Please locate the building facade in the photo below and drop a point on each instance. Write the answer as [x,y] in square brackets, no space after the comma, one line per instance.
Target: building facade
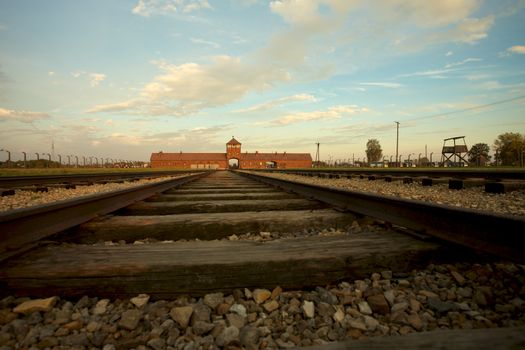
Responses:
[233,158]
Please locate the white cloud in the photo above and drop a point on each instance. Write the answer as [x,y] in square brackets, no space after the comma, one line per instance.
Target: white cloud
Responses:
[22,116]
[480,76]
[448,54]
[440,73]
[50,73]
[490,85]
[298,52]
[466,31]
[384,84]
[428,13]
[223,81]
[205,42]
[187,88]
[460,63]
[517,49]
[196,5]
[277,102]
[96,78]
[247,2]
[77,74]
[147,8]
[470,30]
[114,107]
[296,11]
[427,73]
[335,112]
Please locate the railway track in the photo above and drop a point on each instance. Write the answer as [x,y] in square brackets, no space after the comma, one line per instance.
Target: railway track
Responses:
[225,204]
[41,183]
[493,180]
[228,231]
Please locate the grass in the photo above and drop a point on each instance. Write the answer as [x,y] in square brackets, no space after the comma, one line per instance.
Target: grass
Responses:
[75,171]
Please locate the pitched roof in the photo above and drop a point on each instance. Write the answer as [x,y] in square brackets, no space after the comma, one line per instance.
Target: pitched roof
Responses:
[276,157]
[233,141]
[188,156]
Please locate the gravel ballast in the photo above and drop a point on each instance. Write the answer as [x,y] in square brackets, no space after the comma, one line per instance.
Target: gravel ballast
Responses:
[22,199]
[459,296]
[512,203]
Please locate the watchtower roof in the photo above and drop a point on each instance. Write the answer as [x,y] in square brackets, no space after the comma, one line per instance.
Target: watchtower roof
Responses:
[233,141]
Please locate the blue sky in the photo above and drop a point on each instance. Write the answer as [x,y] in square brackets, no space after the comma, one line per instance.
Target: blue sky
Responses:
[123,78]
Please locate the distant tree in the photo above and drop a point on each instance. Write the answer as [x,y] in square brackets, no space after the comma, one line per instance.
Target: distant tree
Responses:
[479,154]
[509,147]
[373,150]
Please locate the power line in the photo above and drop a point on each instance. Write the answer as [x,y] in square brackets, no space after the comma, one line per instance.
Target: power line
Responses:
[469,108]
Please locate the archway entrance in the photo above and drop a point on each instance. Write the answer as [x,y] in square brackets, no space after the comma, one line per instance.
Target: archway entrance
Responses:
[271,164]
[233,163]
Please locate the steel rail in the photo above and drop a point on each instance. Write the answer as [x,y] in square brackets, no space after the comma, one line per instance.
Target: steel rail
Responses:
[20,181]
[499,174]
[21,228]
[497,234]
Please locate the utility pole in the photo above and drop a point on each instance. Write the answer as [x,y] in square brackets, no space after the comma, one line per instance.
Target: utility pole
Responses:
[397,143]
[317,155]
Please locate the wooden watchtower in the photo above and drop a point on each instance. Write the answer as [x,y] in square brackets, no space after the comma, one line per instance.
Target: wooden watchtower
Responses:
[455,150]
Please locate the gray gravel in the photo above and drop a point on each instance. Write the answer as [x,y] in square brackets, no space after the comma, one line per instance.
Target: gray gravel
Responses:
[474,197]
[22,199]
[460,296]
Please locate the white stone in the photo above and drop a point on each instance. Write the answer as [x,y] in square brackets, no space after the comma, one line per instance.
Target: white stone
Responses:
[101,307]
[339,315]
[309,309]
[140,300]
[364,308]
[182,315]
[30,306]
[238,309]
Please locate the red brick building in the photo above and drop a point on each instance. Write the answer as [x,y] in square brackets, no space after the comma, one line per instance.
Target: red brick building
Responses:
[233,158]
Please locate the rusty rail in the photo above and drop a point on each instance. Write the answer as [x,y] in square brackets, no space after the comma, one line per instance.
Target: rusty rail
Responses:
[20,181]
[497,234]
[21,229]
[497,174]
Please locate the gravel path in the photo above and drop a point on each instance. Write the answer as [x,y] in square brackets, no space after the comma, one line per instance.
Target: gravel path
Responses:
[474,197]
[460,296]
[22,199]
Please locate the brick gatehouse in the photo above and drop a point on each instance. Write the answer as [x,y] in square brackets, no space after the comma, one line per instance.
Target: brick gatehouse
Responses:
[233,158]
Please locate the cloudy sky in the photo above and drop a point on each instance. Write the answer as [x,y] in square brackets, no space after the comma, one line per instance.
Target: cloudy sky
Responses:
[125,78]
